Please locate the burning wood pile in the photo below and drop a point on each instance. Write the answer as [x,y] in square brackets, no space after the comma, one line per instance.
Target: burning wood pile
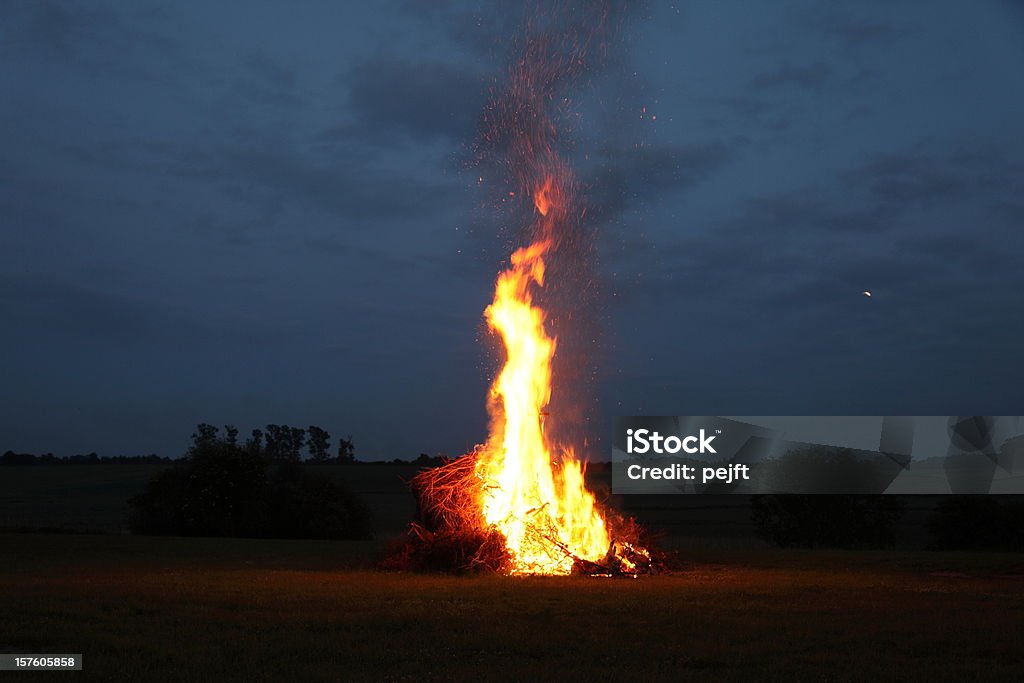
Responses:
[451,535]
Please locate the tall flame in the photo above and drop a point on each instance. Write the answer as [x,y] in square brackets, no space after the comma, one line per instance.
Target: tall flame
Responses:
[544,511]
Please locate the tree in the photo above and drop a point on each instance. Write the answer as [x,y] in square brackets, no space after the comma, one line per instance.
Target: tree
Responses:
[295,437]
[319,444]
[285,443]
[275,442]
[346,450]
[255,442]
[204,435]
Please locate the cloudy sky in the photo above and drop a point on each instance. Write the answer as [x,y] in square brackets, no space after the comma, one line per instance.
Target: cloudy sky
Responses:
[272,215]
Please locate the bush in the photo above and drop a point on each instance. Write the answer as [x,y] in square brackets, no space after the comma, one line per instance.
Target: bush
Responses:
[157,510]
[977,523]
[1013,524]
[223,489]
[308,506]
[836,521]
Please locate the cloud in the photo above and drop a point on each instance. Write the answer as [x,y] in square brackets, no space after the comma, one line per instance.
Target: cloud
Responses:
[266,80]
[744,106]
[57,29]
[810,77]
[1012,210]
[358,194]
[395,99]
[856,33]
[871,29]
[332,247]
[809,212]
[936,177]
[862,228]
[65,314]
[86,35]
[346,183]
[906,178]
[632,177]
[480,28]
[42,307]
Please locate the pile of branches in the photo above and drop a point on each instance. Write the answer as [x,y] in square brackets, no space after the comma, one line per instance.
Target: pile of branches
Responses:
[450,535]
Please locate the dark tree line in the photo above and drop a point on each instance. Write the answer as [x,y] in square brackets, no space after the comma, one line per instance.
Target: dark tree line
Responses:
[281,443]
[12,458]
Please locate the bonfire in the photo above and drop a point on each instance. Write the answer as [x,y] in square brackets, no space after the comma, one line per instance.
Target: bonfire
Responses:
[519,504]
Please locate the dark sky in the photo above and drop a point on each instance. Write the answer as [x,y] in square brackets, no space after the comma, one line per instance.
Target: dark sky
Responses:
[270,215]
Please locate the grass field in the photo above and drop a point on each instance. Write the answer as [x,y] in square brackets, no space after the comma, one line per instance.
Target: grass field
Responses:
[152,609]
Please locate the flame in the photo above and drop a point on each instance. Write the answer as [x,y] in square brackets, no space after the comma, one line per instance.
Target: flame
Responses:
[541,198]
[544,511]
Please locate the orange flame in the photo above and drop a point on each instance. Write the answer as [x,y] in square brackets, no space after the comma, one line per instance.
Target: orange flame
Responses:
[541,198]
[545,513]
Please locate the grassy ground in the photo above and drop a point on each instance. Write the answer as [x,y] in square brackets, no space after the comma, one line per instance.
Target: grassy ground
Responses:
[77,498]
[151,609]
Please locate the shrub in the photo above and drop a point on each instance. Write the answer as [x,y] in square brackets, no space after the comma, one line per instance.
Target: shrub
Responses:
[157,510]
[309,506]
[223,489]
[837,521]
[977,523]
[1013,525]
